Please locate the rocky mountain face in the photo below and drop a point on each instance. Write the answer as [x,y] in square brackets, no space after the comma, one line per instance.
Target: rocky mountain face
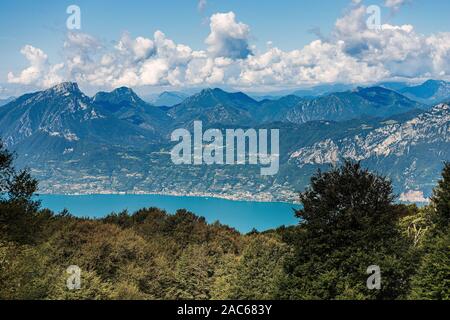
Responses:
[410,152]
[55,122]
[116,142]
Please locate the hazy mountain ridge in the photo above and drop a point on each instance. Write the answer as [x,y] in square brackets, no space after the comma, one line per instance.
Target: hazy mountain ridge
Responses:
[430,92]
[340,106]
[167,98]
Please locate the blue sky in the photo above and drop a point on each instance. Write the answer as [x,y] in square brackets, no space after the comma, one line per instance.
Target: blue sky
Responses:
[286,23]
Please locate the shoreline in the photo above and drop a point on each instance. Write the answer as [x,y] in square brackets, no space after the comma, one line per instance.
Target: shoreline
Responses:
[175,194]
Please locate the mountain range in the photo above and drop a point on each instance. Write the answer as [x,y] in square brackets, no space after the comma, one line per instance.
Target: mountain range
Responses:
[117,142]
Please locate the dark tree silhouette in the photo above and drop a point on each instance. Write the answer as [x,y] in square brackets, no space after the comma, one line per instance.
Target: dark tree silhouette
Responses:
[17,207]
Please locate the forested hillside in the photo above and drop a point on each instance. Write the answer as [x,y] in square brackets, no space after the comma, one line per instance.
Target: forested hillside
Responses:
[349,222]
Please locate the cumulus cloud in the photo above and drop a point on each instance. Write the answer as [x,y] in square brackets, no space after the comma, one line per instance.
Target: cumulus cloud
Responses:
[228,38]
[39,72]
[140,48]
[414,197]
[400,50]
[351,53]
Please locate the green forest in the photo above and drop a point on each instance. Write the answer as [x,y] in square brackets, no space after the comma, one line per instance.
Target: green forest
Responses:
[350,220]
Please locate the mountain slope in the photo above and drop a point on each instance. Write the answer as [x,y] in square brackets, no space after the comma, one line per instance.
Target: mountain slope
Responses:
[215,106]
[341,106]
[124,104]
[430,92]
[409,152]
[6,101]
[168,99]
[62,119]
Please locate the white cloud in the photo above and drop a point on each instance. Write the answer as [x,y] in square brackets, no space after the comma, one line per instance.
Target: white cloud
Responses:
[39,71]
[413,197]
[228,38]
[399,49]
[140,48]
[352,53]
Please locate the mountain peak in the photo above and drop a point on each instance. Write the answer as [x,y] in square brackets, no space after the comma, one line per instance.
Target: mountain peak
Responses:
[124,90]
[167,93]
[125,93]
[119,95]
[222,94]
[434,82]
[65,87]
[211,91]
[430,92]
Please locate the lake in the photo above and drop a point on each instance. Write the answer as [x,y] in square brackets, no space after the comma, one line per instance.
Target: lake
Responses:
[242,215]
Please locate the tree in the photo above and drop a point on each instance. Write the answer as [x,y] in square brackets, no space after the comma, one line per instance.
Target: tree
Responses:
[432,280]
[348,223]
[17,208]
[92,287]
[259,269]
[25,272]
[192,275]
[441,199]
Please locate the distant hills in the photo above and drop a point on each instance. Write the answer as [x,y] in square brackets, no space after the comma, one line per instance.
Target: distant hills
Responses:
[430,92]
[217,106]
[167,98]
[340,106]
[117,142]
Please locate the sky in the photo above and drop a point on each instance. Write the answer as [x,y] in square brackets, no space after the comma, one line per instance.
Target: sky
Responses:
[251,45]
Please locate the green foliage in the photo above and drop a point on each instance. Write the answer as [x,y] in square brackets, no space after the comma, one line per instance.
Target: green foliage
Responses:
[416,225]
[192,274]
[349,222]
[259,269]
[441,199]
[432,281]
[92,288]
[25,272]
[17,210]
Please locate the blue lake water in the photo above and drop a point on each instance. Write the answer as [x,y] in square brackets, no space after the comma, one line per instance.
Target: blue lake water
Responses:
[242,215]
